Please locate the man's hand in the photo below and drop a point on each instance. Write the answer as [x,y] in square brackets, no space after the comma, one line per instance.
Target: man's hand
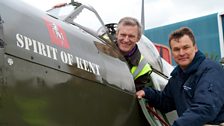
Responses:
[59,5]
[140,94]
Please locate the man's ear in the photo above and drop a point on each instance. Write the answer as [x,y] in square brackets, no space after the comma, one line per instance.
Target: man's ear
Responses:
[196,47]
[138,39]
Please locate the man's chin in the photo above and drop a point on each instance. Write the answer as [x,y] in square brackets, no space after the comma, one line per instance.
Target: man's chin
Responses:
[183,64]
[124,50]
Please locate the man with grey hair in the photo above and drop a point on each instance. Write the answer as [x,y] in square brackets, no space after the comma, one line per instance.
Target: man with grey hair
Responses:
[128,33]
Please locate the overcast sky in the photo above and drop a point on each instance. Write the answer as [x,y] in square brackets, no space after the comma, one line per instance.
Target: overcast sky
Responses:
[157,12]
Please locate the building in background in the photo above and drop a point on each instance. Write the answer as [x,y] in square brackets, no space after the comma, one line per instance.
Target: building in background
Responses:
[208,31]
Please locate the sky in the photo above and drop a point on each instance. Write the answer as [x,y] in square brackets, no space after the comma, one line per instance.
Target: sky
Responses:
[157,12]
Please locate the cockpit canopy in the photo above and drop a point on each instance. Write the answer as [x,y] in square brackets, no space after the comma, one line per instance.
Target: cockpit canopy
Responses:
[76,13]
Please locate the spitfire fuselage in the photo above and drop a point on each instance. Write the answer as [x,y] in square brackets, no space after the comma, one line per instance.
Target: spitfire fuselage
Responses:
[53,73]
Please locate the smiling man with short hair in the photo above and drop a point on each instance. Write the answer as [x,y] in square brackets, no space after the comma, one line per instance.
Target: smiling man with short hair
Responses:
[196,88]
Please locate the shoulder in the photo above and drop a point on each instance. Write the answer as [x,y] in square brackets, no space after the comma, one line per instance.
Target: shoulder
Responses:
[211,70]
[208,64]
[211,78]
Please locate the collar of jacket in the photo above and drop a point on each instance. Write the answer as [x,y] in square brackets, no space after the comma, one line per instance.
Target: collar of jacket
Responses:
[199,57]
[134,58]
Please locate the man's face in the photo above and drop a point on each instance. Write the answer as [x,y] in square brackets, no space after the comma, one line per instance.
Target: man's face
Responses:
[127,37]
[183,51]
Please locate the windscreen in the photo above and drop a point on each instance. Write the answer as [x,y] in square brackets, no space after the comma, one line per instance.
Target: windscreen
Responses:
[61,12]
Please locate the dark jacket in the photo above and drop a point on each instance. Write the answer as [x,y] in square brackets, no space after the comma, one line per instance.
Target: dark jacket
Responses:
[197,93]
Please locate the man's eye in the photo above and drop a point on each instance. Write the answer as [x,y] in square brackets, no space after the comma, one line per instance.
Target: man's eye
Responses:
[122,35]
[186,47]
[131,36]
[176,49]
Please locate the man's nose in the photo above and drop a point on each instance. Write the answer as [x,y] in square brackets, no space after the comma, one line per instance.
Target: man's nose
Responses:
[182,52]
[126,38]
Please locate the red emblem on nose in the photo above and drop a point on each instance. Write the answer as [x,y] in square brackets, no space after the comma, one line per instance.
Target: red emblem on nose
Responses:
[57,34]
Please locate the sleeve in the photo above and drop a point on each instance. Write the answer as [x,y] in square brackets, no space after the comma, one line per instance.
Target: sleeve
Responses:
[207,100]
[161,100]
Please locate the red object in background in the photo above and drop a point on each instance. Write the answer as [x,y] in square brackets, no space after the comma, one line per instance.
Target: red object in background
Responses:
[164,52]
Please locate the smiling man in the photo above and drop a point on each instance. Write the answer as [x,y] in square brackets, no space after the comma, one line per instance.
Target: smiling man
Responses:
[183,50]
[196,87]
[128,33]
